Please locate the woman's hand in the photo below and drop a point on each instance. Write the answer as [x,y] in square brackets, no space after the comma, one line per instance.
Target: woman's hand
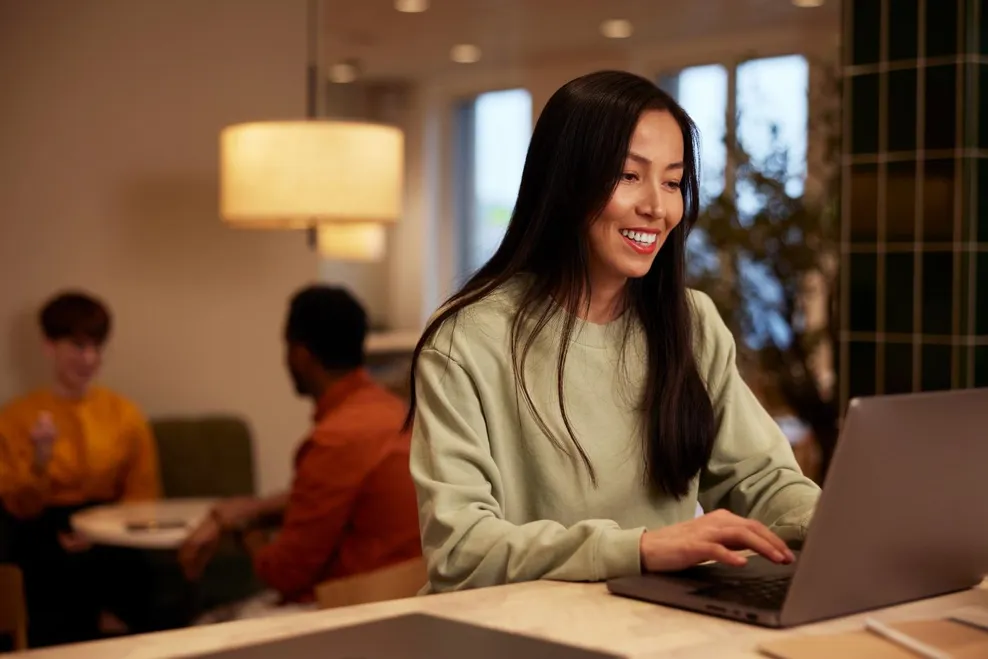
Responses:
[716,536]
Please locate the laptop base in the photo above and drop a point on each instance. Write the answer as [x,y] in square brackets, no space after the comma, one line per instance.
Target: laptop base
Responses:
[713,589]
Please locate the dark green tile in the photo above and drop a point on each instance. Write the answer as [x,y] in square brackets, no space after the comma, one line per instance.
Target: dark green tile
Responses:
[983,37]
[969,81]
[941,27]
[902,110]
[969,178]
[981,366]
[866,29]
[935,367]
[900,204]
[981,203]
[864,113]
[938,289]
[966,312]
[898,368]
[899,269]
[864,293]
[864,203]
[983,99]
[981,294]
[971,27]
[861,369]
[938,200]
[941,107]
[903,29]
[962,365]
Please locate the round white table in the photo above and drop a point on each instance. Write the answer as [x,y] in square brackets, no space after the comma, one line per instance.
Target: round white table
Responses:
[163,524]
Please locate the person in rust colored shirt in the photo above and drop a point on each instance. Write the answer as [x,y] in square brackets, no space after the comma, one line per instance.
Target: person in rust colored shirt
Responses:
[351,507]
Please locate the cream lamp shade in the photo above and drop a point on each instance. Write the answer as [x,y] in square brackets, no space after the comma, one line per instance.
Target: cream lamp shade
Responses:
[352,241]
[303,174]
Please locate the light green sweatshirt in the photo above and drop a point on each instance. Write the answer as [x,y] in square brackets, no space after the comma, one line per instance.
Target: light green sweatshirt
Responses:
[500,503]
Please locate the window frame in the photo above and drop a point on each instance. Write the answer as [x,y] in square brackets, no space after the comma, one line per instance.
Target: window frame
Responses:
[464,193]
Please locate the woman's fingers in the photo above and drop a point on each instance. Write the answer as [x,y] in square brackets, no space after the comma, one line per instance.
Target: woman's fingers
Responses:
[713,551]
[725,521]
[772,538]
[743,537]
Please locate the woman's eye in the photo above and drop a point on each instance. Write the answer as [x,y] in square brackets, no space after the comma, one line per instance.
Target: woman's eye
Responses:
[629,176]
[675,185]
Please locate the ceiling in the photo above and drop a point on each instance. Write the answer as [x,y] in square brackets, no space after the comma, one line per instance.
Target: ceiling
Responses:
[389,44]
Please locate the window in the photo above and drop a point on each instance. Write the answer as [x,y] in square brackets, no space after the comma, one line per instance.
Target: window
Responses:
[772,98]
[702,91]
[494,129]
[768,119]
[771,112]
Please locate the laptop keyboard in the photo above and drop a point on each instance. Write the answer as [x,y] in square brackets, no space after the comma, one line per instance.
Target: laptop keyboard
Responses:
[767,593]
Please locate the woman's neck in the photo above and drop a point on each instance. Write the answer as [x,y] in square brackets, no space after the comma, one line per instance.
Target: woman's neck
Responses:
[607,301]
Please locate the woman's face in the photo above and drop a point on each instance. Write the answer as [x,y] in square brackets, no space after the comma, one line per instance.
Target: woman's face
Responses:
[646,204]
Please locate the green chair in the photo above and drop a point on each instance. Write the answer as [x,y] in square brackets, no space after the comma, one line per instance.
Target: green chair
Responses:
[208,456]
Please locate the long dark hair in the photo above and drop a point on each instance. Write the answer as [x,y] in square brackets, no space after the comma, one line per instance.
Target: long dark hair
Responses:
[575,160]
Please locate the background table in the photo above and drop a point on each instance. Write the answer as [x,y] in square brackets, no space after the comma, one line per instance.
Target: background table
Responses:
[107,525]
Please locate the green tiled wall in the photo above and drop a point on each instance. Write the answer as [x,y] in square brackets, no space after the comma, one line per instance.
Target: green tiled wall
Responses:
[914,241]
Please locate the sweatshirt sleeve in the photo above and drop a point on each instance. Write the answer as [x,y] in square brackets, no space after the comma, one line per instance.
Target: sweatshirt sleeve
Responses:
[752,471]
[466,540]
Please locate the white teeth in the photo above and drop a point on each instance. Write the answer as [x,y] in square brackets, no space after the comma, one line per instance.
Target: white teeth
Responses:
[641,237]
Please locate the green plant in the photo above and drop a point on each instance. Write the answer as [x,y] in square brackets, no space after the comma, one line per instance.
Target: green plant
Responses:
[767,258]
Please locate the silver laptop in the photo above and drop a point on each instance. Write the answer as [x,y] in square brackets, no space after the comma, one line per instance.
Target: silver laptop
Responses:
[409,636]
[903,516]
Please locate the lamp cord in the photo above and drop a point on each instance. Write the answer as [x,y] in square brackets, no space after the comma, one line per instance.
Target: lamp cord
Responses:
[314,20]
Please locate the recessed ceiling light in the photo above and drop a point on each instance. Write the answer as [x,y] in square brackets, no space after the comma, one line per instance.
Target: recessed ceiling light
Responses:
[464,53]
[411,6]
[616,28]
[807,3]
[342,72]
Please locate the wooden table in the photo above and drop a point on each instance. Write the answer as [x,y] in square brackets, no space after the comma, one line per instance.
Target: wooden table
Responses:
[108,524]
[575,614]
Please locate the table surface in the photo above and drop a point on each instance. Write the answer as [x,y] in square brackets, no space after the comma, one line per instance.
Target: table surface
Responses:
[575,614]
[107,525]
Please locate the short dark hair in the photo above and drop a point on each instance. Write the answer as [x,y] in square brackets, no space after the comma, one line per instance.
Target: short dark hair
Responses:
[75,315]
[330,323]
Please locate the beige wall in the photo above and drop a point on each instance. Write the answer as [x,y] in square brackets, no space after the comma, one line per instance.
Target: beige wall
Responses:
[108,179]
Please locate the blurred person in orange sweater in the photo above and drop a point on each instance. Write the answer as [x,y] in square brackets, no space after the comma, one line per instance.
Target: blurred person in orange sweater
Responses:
[63,448]
[351,507]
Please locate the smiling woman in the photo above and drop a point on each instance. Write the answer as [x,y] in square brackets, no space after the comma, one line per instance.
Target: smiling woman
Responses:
[574,401]
[644,208]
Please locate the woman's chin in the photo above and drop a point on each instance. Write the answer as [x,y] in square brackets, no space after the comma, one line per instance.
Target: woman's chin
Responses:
[635,270]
